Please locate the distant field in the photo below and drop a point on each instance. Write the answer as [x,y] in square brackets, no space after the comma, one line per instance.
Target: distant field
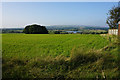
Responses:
[35,45]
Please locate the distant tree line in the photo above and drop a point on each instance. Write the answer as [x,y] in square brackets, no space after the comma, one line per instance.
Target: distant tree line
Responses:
[58,32]
[82,32]
[38,29]
[12,30]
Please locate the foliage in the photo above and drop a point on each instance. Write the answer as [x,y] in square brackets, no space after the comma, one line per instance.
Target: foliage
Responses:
[35,29]
[56,32]
[113,18]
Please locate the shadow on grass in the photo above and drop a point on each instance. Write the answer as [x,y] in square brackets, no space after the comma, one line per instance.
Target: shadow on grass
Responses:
[80,64]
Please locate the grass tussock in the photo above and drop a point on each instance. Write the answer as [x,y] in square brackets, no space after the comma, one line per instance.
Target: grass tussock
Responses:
[80,64]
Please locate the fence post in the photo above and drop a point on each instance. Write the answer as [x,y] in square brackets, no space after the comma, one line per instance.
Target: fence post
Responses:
[119,28]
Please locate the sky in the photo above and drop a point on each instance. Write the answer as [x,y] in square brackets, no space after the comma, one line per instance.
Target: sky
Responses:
[20,14]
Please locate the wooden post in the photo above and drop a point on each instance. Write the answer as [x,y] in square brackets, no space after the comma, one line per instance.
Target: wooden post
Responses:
[119,28]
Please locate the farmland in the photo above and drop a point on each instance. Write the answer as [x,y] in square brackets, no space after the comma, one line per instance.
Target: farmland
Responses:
[58,56]
[41,45]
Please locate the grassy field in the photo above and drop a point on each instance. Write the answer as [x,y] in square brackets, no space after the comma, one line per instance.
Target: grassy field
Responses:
[32,45]
[59,56]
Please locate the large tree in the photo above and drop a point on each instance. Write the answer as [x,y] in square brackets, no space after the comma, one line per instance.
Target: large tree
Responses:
[35,29]
[113,18]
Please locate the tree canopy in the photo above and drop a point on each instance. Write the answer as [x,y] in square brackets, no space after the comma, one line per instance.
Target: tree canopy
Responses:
[113,18]
[35,29]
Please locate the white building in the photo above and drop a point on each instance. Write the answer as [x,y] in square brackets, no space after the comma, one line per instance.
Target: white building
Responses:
[113,31]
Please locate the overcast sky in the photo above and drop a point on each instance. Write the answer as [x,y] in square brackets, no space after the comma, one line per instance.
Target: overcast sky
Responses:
[19,14]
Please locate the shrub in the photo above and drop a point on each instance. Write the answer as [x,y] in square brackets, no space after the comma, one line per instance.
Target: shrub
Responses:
[35,29]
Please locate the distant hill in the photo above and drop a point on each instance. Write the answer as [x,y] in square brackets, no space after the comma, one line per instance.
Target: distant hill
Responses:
[66,27]
[58,27]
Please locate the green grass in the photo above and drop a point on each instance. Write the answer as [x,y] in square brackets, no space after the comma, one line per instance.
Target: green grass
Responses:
[59,56]
[35,45]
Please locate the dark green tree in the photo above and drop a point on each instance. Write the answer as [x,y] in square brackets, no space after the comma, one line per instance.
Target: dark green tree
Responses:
[35,29]
[57,32]
[113,17]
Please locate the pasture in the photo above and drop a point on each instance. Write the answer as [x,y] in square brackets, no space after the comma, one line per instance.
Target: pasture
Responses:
[58,56]
[35,45]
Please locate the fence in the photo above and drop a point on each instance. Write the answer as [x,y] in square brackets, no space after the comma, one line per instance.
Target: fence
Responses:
[113,31]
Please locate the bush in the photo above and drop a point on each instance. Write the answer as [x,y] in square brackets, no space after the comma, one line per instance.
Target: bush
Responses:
[35,29]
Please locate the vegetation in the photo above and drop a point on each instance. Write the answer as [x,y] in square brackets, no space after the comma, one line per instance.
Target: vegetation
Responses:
[12,30]
[48,44]
[35,29]
[59,56]
[62,30]
[113,18]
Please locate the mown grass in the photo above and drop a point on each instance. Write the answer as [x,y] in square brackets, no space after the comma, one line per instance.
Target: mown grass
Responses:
[83,61]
